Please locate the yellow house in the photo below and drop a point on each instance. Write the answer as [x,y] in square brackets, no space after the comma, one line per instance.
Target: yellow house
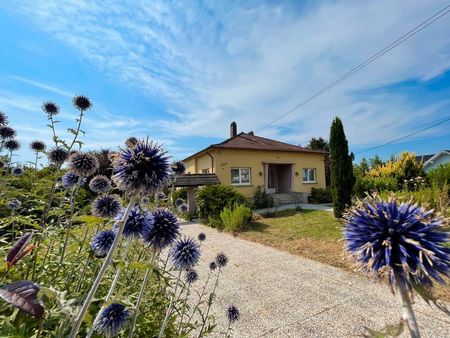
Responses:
[246,161]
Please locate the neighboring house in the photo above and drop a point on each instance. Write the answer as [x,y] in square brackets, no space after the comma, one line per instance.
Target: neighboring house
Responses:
[433,161]
[246,161]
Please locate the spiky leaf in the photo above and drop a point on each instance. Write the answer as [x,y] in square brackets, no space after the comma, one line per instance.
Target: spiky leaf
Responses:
[23,295]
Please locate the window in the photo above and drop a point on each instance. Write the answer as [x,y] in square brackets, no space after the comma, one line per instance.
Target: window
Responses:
[309,175]
[240,176]
[205,171]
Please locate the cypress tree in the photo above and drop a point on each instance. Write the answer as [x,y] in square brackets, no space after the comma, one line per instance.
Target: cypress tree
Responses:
[342,178]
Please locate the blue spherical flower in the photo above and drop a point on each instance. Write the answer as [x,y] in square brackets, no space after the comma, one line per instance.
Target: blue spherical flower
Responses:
[160,195]
[185,253]
[201,237]
[17,171]
[179,201]
[106,206]
[183,208]
[11,145]
[7,133]
[70,179]
[403,241]
[50,108]
[191,276]
[100,184]
[82,103]
[139,222]
[3,119]
[233,314]
[83,164]
[178,167]
[102,242]
[212,266]
[165,230]
[221,260]
[37,146]
[112,320]
[13,204]
[57,155]
[143,168]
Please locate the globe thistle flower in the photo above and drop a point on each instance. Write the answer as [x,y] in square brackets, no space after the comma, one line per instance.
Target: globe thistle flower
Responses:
[57,155]
[112,320]
[102,242]
[3,119]
[12,145]
[160,195]
[83,164]
[7,133]
[183,208]
[106,206]
[233,314]
[399,240]
[221,260]
[17,171]
[13,204]
[100,184]
[50,108]
[165,230]
[37,146]
[70,179]
[178,168]
[179,201]
[139,222]
[131,142]
[201,237]
[191,276]
[185,253]
[143,168]
[82,103]
[212,266]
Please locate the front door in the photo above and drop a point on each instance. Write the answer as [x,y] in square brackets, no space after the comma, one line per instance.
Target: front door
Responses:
[271,181]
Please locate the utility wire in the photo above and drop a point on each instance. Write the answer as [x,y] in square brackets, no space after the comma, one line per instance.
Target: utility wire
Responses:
[403,137]
[374,57]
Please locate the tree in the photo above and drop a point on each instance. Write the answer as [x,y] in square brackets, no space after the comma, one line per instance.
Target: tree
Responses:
[321,144]
[364,165]
[376,162]
[342,178]
[318,144]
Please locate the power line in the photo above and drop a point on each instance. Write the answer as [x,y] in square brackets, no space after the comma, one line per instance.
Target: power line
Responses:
[403,137]
[374,57]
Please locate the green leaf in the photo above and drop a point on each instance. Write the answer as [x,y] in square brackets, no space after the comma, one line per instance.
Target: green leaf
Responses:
[140,265]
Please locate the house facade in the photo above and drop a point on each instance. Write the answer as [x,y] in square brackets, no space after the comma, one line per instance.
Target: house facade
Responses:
[433,161]
[246,161]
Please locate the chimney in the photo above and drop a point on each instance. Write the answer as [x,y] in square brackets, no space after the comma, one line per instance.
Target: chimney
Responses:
[233,129]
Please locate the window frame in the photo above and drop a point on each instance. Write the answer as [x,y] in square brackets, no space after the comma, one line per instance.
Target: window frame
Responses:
[307,170]
[240,176]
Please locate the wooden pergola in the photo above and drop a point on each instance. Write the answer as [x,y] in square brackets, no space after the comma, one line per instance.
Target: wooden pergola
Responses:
[192,181]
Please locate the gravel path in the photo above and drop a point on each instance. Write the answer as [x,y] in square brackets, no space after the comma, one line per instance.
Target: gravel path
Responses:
[281,295]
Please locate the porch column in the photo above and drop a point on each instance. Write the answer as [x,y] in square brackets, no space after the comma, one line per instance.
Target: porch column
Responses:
[266,176]
[191,199]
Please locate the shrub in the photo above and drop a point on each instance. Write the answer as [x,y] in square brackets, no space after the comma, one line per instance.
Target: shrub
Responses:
[320,195]
[179,193]
[261,199]
[212,199]
[440,175]
[367,184]
[236,218]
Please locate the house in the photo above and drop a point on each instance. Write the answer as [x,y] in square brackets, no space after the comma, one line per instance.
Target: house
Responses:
[246,161]
[433,161]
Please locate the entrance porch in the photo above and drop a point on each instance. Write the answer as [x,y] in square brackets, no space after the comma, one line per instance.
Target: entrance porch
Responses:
[278,178]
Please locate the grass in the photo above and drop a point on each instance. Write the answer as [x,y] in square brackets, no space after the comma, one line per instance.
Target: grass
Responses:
[313,234]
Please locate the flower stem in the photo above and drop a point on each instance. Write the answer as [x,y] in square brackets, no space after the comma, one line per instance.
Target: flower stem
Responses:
[210,300]
[141,294]
[98,279]
[200,297]
[408,312]
[169,309]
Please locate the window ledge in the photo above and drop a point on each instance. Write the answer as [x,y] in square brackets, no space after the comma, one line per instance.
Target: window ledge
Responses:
[310,182]
[241,185]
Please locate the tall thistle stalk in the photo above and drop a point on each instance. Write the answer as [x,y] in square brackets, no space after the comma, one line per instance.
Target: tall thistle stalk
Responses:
[110,292]
[141,294]
[98,279]
[169,309]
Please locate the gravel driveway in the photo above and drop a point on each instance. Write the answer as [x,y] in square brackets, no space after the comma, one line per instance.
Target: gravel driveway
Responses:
[281,295]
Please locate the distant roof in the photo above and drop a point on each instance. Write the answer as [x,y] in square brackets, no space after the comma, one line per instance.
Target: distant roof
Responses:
[431,157]
[195,180]
[253,142]
[424,158]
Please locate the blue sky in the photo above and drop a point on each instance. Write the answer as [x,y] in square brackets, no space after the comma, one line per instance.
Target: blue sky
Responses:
[180,72]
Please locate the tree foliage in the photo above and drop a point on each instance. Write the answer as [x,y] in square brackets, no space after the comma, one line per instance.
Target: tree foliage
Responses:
[342,178]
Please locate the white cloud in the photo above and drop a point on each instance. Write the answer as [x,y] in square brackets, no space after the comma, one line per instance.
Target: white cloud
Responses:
[215,62]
